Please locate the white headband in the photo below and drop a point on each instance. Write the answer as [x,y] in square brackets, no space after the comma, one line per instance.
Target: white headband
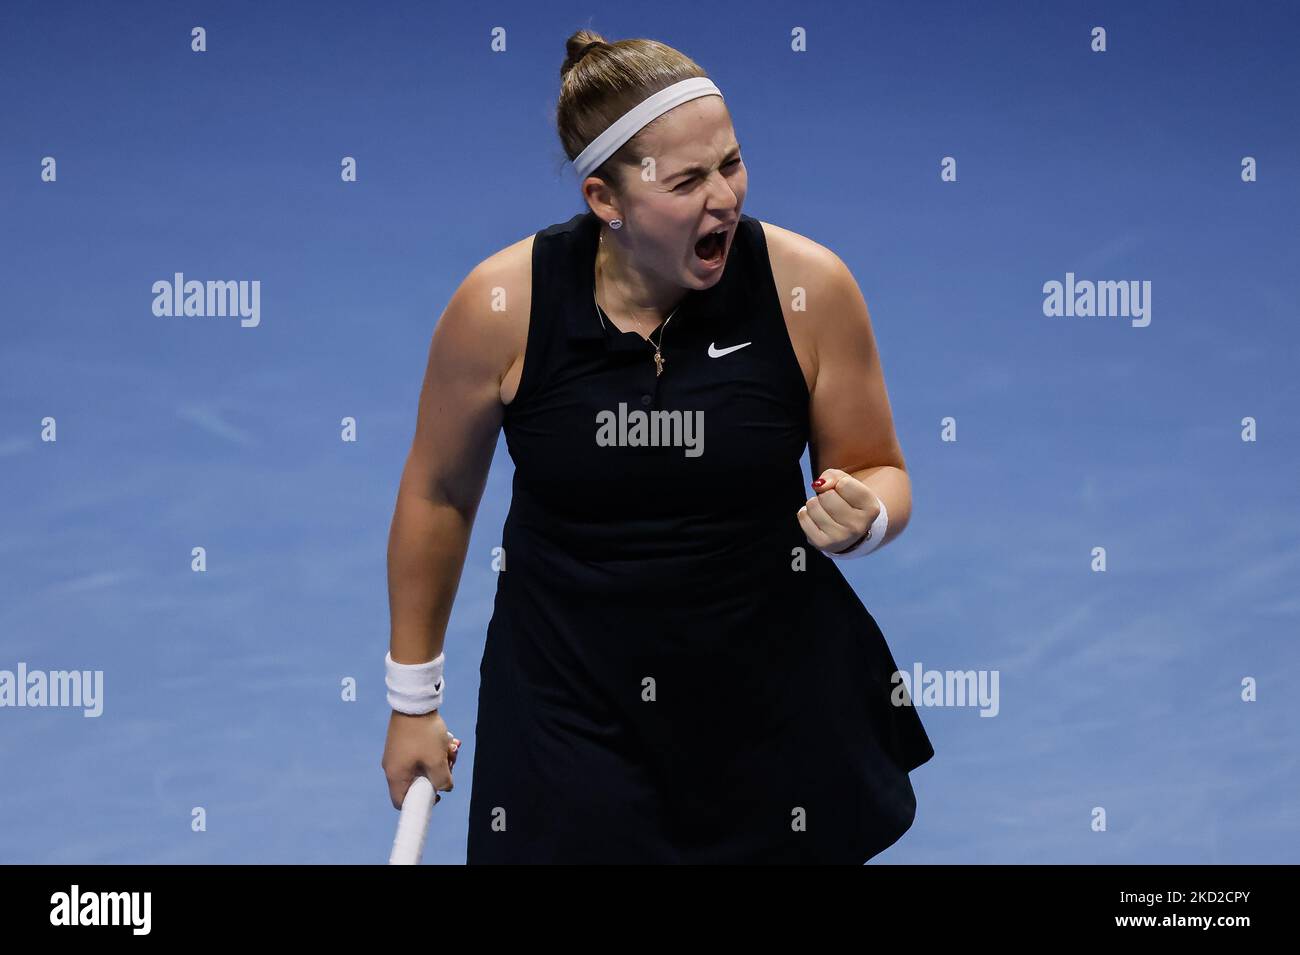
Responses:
[637,118]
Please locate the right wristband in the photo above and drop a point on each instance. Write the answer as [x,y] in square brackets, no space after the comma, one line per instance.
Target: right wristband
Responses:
[414,688]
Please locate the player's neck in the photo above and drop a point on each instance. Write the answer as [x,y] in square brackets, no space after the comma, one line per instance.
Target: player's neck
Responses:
[628,293]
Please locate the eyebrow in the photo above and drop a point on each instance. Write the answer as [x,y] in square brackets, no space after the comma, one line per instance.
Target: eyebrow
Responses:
[693,170]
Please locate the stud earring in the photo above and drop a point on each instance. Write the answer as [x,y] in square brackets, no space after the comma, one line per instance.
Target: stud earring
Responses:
[616,223]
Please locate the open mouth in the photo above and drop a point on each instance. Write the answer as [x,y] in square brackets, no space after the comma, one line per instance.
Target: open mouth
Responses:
[709,249]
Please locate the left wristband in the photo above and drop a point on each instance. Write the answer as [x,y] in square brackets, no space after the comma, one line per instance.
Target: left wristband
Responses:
[875,534]
[414,688]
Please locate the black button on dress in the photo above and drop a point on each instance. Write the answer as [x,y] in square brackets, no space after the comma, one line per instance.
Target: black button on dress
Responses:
[672,673]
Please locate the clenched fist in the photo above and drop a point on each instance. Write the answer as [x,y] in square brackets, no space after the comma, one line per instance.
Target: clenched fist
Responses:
[840,513]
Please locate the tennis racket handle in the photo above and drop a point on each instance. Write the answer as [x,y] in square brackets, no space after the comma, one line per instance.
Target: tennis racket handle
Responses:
[413,823]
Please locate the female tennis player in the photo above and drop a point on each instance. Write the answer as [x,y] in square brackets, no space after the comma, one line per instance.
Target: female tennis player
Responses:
[675,670]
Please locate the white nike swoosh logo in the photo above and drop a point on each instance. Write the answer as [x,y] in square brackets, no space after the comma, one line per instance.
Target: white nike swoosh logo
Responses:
[716,352]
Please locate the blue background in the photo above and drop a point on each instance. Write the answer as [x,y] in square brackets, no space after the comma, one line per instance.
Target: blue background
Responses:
[1118,689]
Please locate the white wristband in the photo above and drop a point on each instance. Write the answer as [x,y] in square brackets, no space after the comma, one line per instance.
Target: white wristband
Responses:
[875,535]
[414,688]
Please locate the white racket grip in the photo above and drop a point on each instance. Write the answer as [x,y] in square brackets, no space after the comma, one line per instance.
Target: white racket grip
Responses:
[413,823]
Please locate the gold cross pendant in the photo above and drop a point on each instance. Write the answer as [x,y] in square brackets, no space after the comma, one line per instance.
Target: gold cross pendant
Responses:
[659,363]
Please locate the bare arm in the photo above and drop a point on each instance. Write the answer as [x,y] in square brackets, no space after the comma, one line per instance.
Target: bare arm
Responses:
[459,417]
[852,425]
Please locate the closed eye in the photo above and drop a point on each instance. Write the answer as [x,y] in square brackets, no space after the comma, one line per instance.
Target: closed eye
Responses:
[691,179]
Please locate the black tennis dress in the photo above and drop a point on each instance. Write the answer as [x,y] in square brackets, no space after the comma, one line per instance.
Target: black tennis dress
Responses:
[672,673]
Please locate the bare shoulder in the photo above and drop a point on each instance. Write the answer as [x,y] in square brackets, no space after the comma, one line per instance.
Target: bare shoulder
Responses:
[513,263]
[798,261]
[493,304]
[510,271]
[813,284]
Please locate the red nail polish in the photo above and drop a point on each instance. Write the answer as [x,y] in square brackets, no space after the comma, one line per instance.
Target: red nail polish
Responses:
[819,482]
